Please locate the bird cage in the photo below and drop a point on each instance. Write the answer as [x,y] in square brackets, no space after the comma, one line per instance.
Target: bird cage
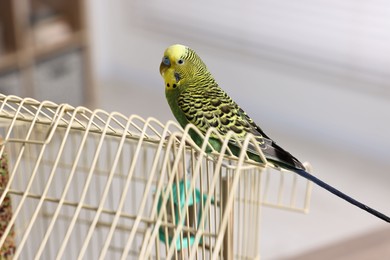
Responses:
[79,183]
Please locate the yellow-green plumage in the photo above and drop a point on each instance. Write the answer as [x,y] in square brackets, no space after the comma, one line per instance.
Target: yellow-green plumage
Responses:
[195,97]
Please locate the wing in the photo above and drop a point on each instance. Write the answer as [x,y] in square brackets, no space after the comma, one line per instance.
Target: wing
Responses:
[210,106]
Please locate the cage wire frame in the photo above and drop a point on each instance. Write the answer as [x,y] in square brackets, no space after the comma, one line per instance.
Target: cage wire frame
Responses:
[79,183]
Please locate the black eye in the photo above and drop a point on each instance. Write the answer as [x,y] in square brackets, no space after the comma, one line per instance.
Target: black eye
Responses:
[181,61]
[166,61]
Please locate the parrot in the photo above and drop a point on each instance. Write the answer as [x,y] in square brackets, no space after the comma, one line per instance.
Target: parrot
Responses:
[195,97]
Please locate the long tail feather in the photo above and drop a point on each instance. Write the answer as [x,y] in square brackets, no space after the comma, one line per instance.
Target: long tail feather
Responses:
[340,194]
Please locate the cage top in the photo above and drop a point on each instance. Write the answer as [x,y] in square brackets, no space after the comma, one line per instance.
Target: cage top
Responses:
[15,110]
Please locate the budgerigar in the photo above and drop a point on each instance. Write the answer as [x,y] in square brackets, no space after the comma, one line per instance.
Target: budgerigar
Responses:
[195,97]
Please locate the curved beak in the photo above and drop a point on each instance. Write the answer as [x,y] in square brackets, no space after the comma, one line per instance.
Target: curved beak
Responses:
[163,68]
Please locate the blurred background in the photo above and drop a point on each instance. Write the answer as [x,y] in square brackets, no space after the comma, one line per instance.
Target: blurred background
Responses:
[315,75]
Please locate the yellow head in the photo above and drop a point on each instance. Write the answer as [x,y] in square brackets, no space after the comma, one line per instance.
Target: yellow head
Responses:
[180,66]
